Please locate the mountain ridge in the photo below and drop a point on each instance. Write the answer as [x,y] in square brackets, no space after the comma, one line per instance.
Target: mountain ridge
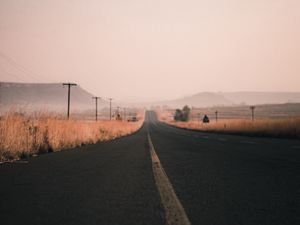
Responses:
[54,96]
[43,96]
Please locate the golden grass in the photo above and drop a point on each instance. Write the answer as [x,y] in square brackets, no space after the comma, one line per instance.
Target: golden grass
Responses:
[23,135]
[287,127]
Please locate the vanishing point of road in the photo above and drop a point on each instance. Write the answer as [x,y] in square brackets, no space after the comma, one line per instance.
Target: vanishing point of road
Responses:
[158,173]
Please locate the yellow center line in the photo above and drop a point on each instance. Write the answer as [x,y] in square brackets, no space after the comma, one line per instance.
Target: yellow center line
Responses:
[174,211]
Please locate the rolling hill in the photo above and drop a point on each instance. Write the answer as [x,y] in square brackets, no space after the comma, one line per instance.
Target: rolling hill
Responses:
[203,99]
[39,96]
[209,99]
[53,97]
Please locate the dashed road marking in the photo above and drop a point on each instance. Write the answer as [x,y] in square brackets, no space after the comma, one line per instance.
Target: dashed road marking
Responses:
[206,137]
[297,147]
[174,211]
[248,142]
[222,139]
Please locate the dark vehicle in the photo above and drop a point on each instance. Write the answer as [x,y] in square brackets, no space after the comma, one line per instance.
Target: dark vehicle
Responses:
[205,119]
[132,119]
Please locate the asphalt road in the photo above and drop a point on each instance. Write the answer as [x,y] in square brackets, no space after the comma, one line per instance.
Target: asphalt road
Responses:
[219,179]
[108,183]
[230,179]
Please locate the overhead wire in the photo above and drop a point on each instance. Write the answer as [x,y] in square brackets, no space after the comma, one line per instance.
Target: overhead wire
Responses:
[20,67]
[17,77]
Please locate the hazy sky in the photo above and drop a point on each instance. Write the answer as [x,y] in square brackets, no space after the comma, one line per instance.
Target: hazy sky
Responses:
[152,48]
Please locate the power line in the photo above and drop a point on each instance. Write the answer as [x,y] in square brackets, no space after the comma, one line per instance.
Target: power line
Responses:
[19,67]
[69,93]
[17,77]
[96,100]
[252,112]
[110,99]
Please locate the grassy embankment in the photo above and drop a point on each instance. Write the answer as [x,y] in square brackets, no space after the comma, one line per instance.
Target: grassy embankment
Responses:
[286,127]
[22,136]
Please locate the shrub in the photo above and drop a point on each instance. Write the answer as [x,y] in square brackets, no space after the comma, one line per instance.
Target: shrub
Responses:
[182,115]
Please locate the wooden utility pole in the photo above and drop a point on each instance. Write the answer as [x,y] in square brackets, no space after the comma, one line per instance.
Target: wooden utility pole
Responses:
[216,112]
[96,113]
[69,95]
[110,99]
[124,114]
[118,111]
[252,110]
[199,118]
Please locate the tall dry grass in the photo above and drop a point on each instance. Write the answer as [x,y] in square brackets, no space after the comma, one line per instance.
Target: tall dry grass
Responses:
[286,127]
[22,135]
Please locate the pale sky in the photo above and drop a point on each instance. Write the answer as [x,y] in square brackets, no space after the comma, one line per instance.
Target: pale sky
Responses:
[155,49]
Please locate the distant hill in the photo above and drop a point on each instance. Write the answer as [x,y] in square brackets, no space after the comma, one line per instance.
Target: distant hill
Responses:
[203,99]
[36,96]
[258,98]
[209,99]
[53,97]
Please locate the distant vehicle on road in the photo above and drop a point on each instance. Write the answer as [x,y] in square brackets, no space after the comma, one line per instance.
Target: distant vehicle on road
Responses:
[205,119]
[132,119]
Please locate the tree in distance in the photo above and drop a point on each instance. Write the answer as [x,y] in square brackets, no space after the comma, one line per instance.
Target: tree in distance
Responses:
[182,115]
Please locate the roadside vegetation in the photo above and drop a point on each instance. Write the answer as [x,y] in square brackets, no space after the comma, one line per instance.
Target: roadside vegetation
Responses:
[182,114]
[283,127]
[26,135]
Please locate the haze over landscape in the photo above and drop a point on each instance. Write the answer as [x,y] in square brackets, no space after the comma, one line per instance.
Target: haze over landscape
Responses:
[53,97]
[153,112]
[152,50]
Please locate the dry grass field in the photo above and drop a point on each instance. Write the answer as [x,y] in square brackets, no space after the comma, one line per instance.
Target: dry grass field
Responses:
[21,135]
[288,127]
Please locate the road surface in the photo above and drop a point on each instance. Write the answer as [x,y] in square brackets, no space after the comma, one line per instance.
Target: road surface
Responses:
[217,179]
